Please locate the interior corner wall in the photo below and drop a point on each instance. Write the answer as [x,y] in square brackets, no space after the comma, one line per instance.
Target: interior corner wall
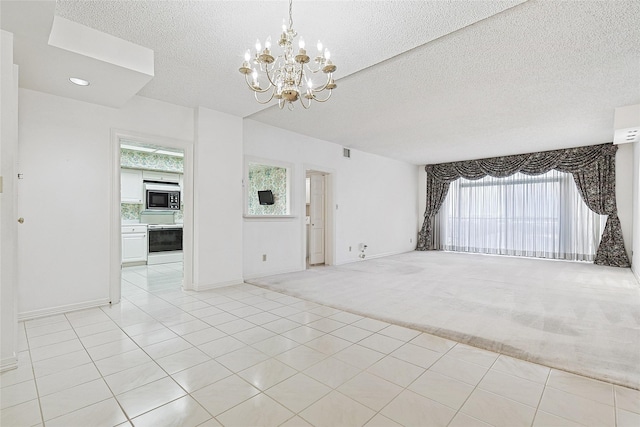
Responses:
[217,199]
[635,252]
[8,224]
[65,154]
[422,195]
[374,202]
[624,193]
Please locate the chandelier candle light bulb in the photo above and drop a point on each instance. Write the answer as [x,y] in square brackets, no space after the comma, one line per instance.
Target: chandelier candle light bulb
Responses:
[285,73]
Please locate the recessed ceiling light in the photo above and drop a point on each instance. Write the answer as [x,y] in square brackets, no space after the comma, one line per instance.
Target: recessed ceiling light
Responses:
[78,81]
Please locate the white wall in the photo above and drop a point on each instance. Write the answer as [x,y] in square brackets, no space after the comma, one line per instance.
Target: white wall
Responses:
[8,224]
[624,193]
[376,199]
[65,156]
[635,262]
[218,200]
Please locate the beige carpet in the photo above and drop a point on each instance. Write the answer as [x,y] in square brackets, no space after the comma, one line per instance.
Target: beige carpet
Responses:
[577,317]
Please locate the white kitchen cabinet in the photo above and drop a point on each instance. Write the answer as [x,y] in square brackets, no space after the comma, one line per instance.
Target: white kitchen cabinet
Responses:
[131,190]
[134,243]
[161,176]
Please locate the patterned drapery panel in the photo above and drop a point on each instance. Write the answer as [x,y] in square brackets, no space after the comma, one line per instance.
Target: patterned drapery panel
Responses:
[593,170]
[436,193]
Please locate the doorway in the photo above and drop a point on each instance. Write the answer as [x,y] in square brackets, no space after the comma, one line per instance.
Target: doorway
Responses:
[316,218]
[143,167]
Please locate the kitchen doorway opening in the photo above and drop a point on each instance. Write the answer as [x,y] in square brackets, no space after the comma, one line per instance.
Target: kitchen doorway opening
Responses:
[318,218]
[152,214]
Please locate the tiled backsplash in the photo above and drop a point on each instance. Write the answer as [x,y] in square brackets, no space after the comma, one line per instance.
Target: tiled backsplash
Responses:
[150,161]
[130,211]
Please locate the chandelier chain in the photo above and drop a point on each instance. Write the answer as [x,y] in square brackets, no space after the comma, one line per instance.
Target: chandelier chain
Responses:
[290,14]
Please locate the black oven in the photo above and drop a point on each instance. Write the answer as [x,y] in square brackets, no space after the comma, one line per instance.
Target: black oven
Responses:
[165,238]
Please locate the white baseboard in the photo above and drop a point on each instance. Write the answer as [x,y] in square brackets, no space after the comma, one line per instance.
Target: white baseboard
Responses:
[8,363]
[34,314]
[207,287]
[272,273]
[636,272]
[386,254]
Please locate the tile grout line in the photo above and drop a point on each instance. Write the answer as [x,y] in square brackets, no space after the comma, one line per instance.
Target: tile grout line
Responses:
[158,365]
[475,387]
[97,369]
[351,344]
[274,358]
[33,371]
[544,389]
[211,358]
[280,334]
[246,294]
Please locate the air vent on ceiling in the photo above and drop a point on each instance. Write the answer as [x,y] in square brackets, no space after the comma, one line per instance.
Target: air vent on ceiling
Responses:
[346,153]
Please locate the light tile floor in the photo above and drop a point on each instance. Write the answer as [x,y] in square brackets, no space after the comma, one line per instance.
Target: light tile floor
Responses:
[244,356]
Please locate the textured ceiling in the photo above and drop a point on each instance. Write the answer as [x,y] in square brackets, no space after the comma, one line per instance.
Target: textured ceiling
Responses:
[421,81]
[540,76]
[199,45]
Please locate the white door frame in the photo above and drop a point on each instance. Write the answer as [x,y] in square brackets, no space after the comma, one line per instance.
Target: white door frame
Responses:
[317,215]
[330,208]
[115,223]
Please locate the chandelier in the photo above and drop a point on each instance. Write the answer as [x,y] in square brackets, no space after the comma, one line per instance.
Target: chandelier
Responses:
[287,77]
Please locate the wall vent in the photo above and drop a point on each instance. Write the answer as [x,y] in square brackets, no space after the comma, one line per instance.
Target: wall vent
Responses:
[346,153]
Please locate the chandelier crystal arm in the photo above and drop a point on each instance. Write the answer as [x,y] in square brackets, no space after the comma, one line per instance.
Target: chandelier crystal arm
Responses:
[324,86]
[271,78]
[305,106]
[266,101]
[253,88]
[315,98]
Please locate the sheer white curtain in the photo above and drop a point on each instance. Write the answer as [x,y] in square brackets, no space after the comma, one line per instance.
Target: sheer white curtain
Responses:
[536,216]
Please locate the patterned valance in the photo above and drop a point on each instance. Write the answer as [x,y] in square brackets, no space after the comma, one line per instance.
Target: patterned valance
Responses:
[593,170]
[569,160]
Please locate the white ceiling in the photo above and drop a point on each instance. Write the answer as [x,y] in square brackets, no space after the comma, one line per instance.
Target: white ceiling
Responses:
[420,81]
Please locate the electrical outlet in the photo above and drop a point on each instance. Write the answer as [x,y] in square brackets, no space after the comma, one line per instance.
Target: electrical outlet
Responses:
[411,240]
[264,257]
[349,248]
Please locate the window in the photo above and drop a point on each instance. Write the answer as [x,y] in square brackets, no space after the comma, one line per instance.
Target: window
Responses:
[537,216]
[264,177]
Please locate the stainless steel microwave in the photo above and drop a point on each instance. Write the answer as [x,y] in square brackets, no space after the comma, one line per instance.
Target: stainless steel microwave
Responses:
[162,196]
